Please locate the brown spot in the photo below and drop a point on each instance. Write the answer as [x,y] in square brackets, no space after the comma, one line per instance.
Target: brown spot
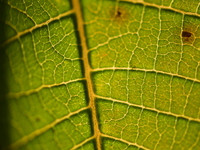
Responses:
[118,13]
[37,119]
[189,31]
[187,37]
[103,55]
[186,34]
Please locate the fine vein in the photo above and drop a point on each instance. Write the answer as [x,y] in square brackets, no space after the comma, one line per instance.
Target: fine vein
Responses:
[24,140]
[19,34]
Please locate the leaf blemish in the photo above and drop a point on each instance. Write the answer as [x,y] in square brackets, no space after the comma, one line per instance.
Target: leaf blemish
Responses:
[37,119]
[187,37]
[186,34]
[119,14]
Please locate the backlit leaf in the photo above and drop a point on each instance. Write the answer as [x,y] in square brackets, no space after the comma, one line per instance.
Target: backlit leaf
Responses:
[100,74]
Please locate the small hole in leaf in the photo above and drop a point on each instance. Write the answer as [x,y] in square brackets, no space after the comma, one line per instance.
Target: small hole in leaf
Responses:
[186,34]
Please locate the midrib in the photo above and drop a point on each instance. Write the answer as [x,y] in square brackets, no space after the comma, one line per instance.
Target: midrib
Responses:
[87,70]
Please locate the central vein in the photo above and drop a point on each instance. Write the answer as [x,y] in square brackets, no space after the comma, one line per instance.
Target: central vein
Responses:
[80,24]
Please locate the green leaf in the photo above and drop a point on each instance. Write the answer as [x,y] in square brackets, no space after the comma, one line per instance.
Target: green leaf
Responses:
[100,74]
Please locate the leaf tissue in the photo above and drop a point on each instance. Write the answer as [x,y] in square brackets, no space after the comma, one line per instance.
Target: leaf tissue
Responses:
[100,74]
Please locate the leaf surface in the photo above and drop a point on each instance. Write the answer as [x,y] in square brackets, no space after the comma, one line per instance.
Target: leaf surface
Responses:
[101,74]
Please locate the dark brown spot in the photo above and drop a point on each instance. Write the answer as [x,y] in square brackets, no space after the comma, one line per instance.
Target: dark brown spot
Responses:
[186,34]
[119,13]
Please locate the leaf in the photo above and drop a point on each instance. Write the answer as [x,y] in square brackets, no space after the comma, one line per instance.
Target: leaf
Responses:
[100,74]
